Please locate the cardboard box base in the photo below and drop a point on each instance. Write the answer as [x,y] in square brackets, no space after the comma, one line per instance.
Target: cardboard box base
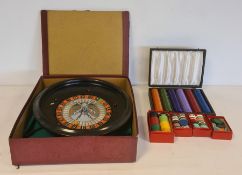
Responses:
[159,136]
[202,132]
[183,132]
[79,149]
[221,135]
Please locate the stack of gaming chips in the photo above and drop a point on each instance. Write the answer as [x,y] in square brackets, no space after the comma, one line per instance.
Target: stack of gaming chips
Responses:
[179,121]
[183,100]
[218,124]
[160,123]
[174,100]
[192,101]
[156,100]
[154,122]
[164,123]
[165,100]
[198,121]
[201,101]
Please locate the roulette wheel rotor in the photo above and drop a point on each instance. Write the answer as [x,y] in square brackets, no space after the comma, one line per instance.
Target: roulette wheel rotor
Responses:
[83,106]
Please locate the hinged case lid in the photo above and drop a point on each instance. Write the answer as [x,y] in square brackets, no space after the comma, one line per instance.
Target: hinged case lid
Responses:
[85,42]
[176,67]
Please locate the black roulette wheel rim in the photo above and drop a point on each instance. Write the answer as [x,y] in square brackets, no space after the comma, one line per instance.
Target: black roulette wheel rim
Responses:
[47,105]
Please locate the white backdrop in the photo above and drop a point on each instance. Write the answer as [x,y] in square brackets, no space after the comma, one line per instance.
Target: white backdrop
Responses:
[215,25]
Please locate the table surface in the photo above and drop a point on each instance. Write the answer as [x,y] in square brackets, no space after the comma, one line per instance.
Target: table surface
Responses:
[191,155]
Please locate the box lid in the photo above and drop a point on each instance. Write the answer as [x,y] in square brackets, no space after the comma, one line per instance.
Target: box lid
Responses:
[176,67]
[85,42]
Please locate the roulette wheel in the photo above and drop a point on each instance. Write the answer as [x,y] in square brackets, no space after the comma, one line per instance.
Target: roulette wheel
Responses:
[83,106]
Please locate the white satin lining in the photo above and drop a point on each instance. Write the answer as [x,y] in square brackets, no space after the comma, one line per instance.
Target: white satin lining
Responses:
[176,67]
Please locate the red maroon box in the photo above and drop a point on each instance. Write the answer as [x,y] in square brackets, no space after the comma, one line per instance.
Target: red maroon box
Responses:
[182,132]
[159,136]
[79,44]
[222,135]
[202,132]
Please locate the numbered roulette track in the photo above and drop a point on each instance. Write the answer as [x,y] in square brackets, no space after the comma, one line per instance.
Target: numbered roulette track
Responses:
[83,106]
